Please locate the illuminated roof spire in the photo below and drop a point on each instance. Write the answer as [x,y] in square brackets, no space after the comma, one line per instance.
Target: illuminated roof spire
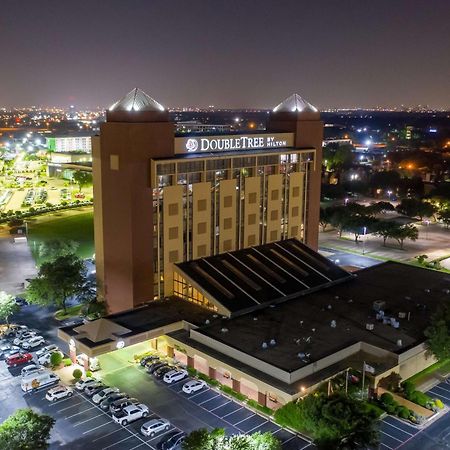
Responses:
[136,100]
[295,103]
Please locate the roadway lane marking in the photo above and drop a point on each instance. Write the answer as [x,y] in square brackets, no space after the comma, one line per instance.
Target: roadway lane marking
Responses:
[106,435]
[220,406]
[393,426]
[118,442]
[92,429]
[81,412]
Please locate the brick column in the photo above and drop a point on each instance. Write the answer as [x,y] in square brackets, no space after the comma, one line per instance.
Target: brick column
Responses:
[236,385]
[262,398]
[212,373]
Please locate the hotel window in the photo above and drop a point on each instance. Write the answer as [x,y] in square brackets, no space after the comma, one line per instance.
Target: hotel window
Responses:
[173,209]
[251,219]
[201,205]
[173,233]
[295,211]
[227,201]
[227,245]
[295,191]
[294,231]
[227,223]
[274,214]
[251,239]
[274,194]
[173,256]
[201,228]
[114,162]
[201,251]
[274,235]
[252,198]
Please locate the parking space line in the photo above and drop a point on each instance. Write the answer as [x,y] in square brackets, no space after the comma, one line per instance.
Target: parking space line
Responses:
[105,435]
[81,412]
[401,429]
[243,420]
[257,426]
[220,406]
[306,446]
[87,420]
[201,392]
[61,401]
[92,429]
[232,412]
[442,389]
[69,407]
[440,395]
[387,434]
[118,442]
[387,446]
[160,435]
[209,399]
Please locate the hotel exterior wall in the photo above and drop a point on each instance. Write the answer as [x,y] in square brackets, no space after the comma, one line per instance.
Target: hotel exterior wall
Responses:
[414,361]
[201,220]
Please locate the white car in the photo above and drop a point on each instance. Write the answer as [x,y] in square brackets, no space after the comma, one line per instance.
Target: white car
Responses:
[48,349]
[83,384]
[45,358]
[31,368]
[21,330]
[174,376]
[58,392]
[193,386]
[100,396]
[154,427]
[131,413]
[34,342]
[24,337]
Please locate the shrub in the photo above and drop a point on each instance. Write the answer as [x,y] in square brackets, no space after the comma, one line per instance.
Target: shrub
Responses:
[191,371]
[255,405]
[438,403]
[387,399]
[67,362]
[77,374]
[420,398]
[233,393]
[403,412]
[56,359]
[408,388]
[88,374]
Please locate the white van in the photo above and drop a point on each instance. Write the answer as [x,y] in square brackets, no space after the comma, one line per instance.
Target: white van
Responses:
[38,380]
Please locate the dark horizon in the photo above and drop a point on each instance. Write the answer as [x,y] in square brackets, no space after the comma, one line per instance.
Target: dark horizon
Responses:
[230,54]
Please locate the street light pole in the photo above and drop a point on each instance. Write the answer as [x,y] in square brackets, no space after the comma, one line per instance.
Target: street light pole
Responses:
[364,239]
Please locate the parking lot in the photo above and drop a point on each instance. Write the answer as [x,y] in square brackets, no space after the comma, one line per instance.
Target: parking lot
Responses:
[395,433]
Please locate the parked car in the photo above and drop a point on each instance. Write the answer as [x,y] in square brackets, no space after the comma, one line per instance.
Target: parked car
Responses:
[162,371]
[34,342]
[154,427]
[101,395]
[37,380]
[31,368]
[46,357]
[117,405]
[7,350]
[155,366]
[147,359]
[131,413]
[193,386]
[18,359]
[58,392]
[174,376]
[24,337]
[19,332]
[106,403]
[13,329]
[91,390]
[172,441]
[47,349]
[83,384]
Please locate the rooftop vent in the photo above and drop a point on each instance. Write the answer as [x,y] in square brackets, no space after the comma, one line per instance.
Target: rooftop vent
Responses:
[273,342]
[215,316]
[378,305]
[255,318]
[207,322]
[407,297]
[264,345]
[401,315]
[399,343]
[329,307]
[446,291]
[224,330]
[427,290]
[336,297]
[370,326]
[333,324]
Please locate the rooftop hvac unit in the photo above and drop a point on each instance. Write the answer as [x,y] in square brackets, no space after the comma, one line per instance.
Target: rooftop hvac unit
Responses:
[427,291]
[336,297]
[399,342]
[224,330]
[446,291]
[207,322]
[264,345]
[215,316]
[329,307]
[396,324]
[370,326]
[407,297]
[386,320]
[333,324]
[378,305]
[255,318]
[401,315]
[273,342]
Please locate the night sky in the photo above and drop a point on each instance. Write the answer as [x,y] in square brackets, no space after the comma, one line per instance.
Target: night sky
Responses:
[227,53]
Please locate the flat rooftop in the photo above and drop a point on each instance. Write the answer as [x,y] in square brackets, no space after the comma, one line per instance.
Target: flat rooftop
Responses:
[252,278]
[324,322]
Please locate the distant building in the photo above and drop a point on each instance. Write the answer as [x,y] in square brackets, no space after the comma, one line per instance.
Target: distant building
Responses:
[64,144]
[197,127]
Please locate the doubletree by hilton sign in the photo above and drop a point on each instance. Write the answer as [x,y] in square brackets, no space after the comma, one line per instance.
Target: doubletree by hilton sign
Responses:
[233,142]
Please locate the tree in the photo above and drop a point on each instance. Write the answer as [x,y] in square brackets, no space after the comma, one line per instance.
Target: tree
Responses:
[325,217]
[386,229]
[54,248]
[56,359]
[380,208]
[403,232]
[444,217]
[8,306]
[82,178]
[57,281]
[438,333]
[77,374]
[26,430]
[415,208]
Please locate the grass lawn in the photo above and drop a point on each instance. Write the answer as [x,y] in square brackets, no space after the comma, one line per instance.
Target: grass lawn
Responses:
[71,311]
[442,367]
[69,225]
